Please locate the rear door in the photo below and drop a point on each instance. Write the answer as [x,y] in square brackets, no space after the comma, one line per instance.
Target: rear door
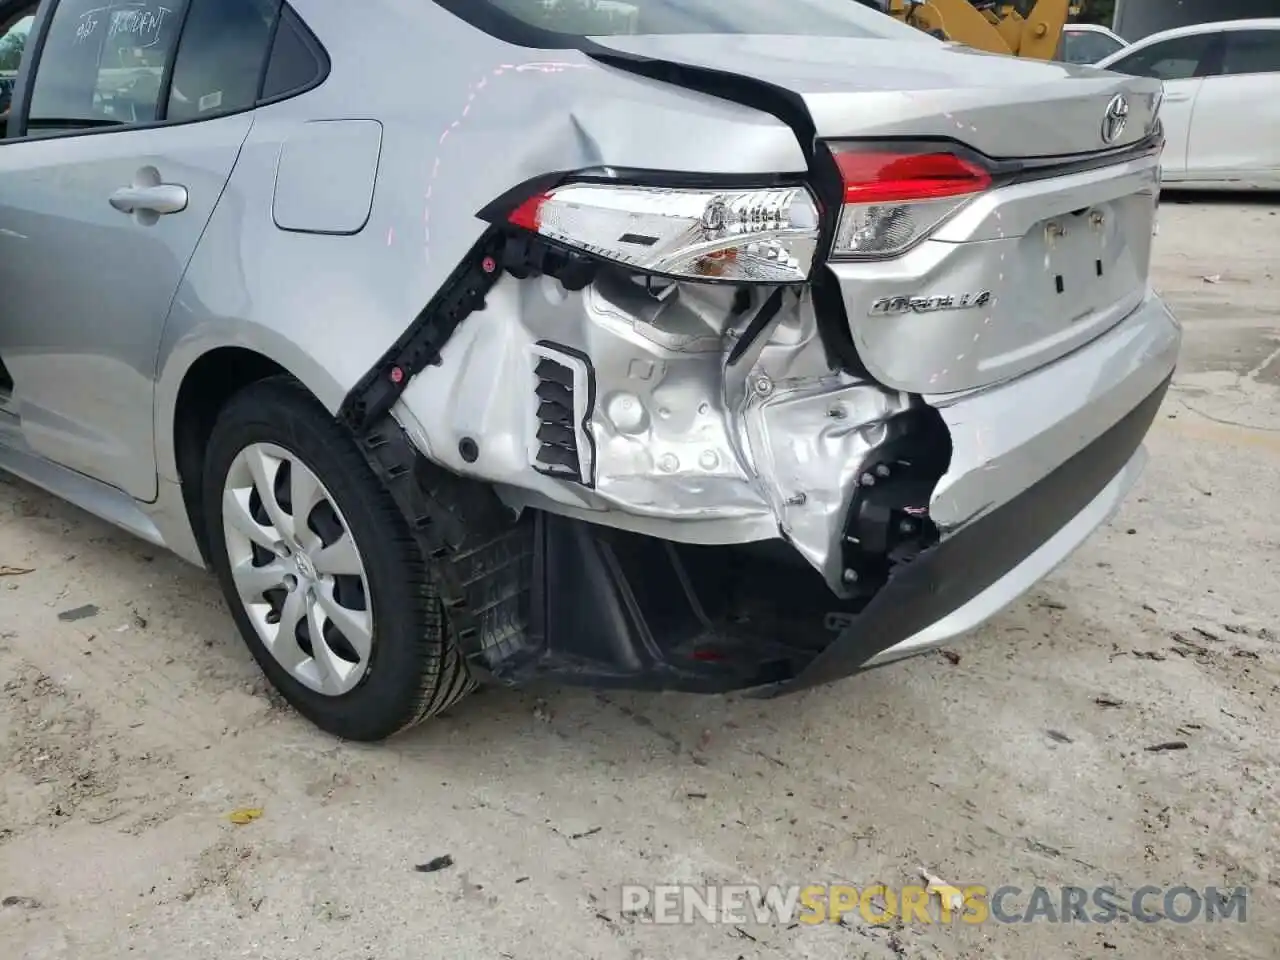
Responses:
[1235,130]
[126,124]
[1180,62]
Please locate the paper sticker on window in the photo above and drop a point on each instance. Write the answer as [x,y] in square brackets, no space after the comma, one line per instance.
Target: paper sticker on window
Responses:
[211,101]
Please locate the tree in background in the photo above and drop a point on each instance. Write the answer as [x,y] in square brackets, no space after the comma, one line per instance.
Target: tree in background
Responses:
[11,47]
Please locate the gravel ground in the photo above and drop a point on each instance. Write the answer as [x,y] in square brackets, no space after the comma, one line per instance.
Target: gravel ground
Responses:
[128,736]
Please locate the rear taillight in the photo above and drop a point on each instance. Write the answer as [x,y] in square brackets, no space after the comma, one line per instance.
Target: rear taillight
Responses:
[893,199]
[765,235]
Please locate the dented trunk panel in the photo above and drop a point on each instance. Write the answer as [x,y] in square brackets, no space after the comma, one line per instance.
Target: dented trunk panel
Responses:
[1002,106]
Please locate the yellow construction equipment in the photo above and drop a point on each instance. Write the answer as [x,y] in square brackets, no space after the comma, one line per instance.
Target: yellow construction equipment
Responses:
[1031,28]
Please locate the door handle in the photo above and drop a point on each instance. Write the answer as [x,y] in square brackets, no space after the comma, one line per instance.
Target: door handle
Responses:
[1177,97]
[162,198]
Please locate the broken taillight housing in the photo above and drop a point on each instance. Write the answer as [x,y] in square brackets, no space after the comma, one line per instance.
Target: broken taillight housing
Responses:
[894,198]
[767,235]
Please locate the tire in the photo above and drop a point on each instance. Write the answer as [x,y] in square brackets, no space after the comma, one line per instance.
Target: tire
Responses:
[401,666]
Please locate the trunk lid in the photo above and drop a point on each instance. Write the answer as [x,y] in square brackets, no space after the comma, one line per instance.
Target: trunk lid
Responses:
[1024,273]
[1020,277]
[1002,106]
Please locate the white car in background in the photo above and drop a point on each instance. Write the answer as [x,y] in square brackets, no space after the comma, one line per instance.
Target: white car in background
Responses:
[1221,107]
[1087,43]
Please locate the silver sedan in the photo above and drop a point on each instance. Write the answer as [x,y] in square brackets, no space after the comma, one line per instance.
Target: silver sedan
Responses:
[670,344]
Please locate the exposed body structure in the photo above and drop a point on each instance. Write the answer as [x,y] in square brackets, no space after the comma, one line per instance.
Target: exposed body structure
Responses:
[704,354]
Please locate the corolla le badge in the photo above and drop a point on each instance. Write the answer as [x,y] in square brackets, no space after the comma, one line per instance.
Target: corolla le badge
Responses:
[1114,120]
[893,306]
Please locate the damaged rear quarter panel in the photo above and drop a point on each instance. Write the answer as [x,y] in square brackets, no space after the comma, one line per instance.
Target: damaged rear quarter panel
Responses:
[466,118]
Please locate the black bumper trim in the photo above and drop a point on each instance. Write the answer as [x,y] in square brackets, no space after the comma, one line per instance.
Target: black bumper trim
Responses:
[949,575]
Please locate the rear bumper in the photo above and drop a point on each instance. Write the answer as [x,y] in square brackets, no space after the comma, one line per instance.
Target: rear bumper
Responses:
[1016,508]
[1036,464]
[1006,438]
[973,575]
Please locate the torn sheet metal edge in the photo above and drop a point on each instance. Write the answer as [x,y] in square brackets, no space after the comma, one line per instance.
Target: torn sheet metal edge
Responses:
[986,555]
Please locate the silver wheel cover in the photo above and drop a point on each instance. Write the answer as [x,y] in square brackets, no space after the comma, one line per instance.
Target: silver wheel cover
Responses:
[297,569]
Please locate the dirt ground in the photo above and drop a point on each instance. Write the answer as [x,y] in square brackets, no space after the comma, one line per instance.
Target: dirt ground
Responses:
[127,737]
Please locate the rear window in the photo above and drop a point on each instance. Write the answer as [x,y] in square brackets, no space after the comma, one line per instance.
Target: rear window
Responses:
[559,22]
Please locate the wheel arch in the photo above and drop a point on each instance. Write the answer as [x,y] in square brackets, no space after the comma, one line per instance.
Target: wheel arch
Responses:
[196,385]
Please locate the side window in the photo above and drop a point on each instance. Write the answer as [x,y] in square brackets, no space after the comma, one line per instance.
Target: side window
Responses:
[103,64]
[1176,59]
[117,62]
[221,57]
[1251,51]
[297,60]
[15,31]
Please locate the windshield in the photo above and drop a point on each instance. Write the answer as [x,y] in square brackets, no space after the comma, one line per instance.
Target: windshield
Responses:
[585,18]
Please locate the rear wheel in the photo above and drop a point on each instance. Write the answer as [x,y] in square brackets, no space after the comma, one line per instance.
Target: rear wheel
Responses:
[324,579]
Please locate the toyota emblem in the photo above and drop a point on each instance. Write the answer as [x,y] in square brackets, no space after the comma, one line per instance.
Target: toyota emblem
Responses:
[1114,120]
